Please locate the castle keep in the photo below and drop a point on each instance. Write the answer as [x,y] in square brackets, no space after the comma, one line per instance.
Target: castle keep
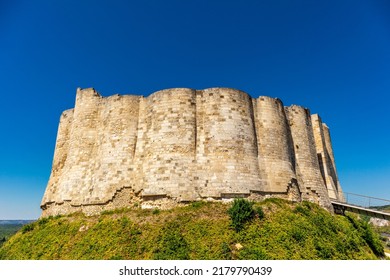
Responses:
[181,145]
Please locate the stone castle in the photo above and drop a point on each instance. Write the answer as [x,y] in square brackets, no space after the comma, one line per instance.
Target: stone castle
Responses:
[180,145]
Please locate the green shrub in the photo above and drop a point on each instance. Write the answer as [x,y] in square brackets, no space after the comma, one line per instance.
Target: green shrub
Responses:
[259,212]
[241,212]
[28,227]
[43,221]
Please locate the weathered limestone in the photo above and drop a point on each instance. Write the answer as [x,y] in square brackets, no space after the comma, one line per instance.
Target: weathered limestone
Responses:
[165,152]
[180,145]
[306,162]
[324,160]
[332,166]
[226,153]
[276,154]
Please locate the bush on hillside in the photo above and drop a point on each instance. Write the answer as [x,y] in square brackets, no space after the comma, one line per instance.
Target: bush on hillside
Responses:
[241,212]
[259,212]
[28,227]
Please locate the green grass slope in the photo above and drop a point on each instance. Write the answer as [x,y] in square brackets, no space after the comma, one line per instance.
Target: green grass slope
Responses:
[277,230]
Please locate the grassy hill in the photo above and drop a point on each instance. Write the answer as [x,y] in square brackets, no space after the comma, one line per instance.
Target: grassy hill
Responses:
[201,230]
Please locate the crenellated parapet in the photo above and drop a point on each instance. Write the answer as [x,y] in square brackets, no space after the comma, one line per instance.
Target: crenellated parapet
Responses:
[179,145]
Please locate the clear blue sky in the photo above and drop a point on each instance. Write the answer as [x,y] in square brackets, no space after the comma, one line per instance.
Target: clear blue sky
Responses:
[330,56]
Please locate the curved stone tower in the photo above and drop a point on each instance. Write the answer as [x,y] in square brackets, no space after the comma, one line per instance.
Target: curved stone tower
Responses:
[179,145]
[275,151]
[307,166]
[226,154]
[165,149]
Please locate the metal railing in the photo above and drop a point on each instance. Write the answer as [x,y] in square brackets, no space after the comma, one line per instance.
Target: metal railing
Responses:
[364,200]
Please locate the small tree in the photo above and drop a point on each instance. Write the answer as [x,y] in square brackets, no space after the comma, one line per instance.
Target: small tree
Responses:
[241,212]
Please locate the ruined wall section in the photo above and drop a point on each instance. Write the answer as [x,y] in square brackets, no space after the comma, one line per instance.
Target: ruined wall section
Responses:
[307,167]
[226,148]
[94,154]
[275,151]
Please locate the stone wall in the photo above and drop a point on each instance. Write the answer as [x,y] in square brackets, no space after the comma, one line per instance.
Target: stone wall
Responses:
[165,152]
[324,159]
[275,152]
[307,166]
[332,165]
[180,145]
[226,154]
